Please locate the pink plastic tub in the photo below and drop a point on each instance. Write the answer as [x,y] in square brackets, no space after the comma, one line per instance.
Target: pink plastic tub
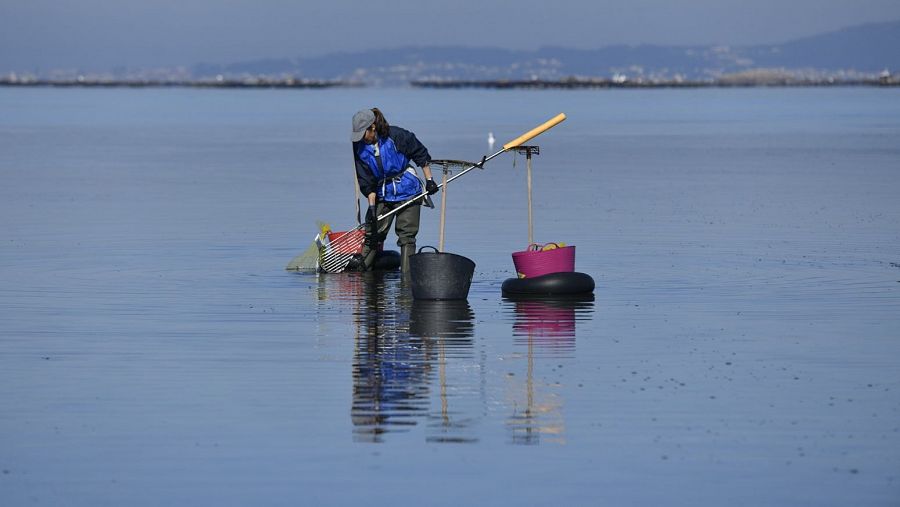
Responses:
[537,260]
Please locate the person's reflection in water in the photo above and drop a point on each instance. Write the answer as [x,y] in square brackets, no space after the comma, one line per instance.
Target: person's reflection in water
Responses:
[390,367]
[549,326]
[398,342]
[449,326]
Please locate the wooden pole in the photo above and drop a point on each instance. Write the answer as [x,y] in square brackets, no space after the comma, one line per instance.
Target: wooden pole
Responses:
[443,211]
[530,217]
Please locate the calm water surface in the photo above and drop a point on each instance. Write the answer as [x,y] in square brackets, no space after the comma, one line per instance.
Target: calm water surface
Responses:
[741,348]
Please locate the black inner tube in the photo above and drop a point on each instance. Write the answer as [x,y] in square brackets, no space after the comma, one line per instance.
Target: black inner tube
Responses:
[552,284]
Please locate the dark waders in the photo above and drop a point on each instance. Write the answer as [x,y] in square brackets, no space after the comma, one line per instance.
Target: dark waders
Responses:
[406,228]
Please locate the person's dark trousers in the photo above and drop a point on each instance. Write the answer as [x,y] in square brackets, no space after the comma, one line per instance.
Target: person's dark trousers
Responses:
[406,227]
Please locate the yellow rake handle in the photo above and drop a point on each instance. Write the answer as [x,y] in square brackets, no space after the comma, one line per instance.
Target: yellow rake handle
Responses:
[547,125]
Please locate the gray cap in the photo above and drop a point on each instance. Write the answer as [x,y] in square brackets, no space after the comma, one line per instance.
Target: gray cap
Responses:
[361,121]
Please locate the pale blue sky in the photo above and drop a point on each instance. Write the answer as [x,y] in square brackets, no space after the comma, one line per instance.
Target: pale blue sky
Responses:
[100,34]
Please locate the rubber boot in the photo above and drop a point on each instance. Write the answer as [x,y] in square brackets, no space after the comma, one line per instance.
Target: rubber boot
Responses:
[367,254]
[367,258]
[405,251]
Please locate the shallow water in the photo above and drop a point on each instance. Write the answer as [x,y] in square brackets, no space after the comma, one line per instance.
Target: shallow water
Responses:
[741,347]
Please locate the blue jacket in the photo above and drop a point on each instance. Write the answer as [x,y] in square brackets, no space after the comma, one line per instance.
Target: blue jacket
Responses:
[386,175]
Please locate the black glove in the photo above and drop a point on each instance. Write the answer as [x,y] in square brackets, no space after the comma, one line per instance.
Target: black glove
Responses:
[431,187]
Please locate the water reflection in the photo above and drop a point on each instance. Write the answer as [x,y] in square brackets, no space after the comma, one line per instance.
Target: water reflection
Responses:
[547,325]
[402,347]
[450,326]
[550,322]
[415,366]
[353,287]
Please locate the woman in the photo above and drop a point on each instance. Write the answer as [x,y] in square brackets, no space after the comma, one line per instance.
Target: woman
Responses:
[382,154]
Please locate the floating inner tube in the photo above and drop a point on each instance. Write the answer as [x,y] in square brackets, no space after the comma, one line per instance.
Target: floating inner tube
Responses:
[387,260]
[551,284]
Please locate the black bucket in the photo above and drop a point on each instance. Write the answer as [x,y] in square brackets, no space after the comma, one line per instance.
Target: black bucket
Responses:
[440,275]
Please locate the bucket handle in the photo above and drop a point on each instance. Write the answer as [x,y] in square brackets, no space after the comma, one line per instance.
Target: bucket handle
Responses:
[537,247]
[428,246]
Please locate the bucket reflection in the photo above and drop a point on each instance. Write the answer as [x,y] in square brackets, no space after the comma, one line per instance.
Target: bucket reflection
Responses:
[548,326]
[447,320]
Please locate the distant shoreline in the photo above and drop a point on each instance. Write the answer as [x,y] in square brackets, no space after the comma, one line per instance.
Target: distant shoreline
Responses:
[572,84]
[131,83]
[539,84]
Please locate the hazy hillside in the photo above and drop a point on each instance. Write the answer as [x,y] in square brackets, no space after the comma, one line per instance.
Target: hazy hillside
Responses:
[868,48]
[865,49]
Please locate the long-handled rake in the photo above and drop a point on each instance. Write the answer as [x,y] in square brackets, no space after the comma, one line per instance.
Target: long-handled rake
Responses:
[335,255]
[447,168]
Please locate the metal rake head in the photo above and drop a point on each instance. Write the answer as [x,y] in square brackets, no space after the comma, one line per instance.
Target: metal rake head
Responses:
[449,165]
[335,255]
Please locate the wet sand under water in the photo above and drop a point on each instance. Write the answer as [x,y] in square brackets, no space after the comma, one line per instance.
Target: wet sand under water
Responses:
[740,349]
